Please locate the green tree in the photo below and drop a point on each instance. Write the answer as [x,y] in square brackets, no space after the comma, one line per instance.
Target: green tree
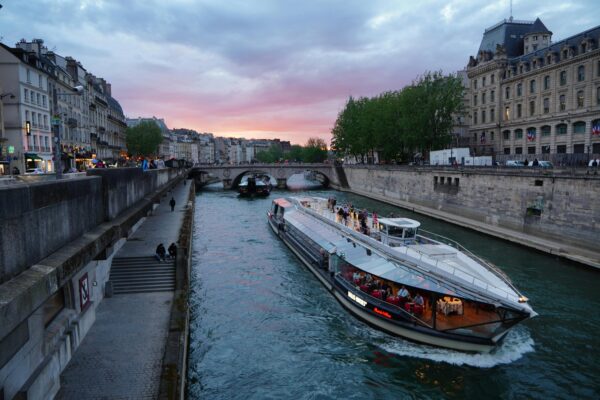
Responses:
[143,139]
[397,123]
[315,150]
[296,153]
[271,155]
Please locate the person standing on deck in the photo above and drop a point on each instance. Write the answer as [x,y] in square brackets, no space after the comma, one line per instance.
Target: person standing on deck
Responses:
[172,204]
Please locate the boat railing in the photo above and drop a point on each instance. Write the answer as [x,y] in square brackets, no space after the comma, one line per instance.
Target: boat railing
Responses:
[383,303]
[489,266]
[321,211]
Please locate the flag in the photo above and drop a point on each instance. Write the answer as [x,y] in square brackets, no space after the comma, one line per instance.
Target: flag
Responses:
[596,129]
[531,135]
[482,138]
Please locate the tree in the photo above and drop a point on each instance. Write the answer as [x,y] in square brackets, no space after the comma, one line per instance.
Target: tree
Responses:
[143,139]
[315,150]
[270,155]
[397,123]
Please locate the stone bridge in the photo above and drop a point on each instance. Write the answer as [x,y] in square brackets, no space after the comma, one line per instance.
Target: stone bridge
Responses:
[231,175]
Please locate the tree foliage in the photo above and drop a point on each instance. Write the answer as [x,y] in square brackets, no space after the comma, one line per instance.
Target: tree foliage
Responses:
[417,118]
[315,151]
[143,139]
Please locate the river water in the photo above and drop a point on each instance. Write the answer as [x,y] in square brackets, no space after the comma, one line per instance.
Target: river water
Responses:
[263,327]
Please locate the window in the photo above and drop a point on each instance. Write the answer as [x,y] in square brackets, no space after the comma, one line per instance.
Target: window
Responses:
[547,82]
[45,121]
[546,105]
[475,119]
[531,150]
[519,110]
[44,100]
[546,130]
[492,114]
[506,135]
[578,148]
[598,95]
[474,99]
[561,148]
[519,89]
[483,98]
[581,73]
[475,84]
[532,86]
[507,113]
[562,103]
[563,78]
[483,116]
[28,76]
[38,101]
[507,150]
[565,54]
[518,150]
[519,134]
[546,149]
[493,95]
[26,95]
[535,37]
[27,115]
[507,93]
[580,99]
[598,69]
[40,80]
[579,127]
[492,78]
[561,129]
[483,81]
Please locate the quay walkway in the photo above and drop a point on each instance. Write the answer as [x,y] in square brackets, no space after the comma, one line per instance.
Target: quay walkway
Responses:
[121,356]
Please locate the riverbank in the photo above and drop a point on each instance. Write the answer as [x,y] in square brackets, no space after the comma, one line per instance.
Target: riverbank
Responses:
[138,343]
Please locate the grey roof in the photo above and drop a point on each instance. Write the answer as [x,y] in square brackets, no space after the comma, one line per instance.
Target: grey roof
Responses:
[113,103]
[507,33]
[539,27]
[573,41]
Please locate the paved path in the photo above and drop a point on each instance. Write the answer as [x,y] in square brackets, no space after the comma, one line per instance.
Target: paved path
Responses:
[121,356]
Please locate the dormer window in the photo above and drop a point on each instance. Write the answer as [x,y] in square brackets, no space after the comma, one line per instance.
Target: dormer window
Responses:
[565,54]
[583,47]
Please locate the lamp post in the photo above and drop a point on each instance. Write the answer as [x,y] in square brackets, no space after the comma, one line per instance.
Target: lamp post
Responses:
[56,121]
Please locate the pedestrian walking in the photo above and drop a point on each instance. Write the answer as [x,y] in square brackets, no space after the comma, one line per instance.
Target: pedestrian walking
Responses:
[172,204]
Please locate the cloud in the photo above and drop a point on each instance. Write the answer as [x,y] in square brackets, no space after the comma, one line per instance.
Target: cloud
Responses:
[269,67]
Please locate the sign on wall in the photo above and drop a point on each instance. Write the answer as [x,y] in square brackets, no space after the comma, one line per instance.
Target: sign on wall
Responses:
[84,292]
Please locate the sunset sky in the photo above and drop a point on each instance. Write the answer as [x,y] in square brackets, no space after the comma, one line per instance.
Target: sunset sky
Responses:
[266,69]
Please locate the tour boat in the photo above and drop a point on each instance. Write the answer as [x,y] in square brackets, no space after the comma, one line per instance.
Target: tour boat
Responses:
[399,278]
[251,185]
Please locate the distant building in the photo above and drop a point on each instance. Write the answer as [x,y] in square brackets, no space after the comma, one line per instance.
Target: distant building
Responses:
[532,96]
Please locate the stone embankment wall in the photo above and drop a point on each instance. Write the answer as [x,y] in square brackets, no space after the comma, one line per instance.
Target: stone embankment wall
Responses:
[541,203]
[38,218]
[56,235]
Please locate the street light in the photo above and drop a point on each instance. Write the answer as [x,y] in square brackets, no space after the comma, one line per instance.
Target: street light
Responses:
[78,91]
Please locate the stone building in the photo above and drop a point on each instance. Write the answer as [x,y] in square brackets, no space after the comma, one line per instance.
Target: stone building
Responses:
[24,73]
[530,96]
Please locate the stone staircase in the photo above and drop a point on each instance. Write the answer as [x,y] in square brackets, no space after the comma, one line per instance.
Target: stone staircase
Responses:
[142,274]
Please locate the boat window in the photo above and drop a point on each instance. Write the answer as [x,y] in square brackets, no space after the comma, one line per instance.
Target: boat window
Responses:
[275,207]
[280,212]
[410,233]
[395,231]
[472,318]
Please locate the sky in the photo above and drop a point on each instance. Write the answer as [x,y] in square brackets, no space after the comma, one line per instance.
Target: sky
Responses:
[268,68]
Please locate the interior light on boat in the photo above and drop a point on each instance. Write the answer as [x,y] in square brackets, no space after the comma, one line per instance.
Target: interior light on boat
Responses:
[523,299]
[368,252]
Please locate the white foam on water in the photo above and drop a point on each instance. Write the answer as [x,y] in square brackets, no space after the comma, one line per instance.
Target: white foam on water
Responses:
[516,343]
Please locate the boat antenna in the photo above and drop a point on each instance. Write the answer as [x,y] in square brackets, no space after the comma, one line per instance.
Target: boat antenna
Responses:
[511,15]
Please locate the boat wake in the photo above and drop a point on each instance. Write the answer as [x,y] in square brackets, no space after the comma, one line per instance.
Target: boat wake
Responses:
[517,343]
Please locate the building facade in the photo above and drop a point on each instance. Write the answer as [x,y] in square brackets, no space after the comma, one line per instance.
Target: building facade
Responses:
[531,97]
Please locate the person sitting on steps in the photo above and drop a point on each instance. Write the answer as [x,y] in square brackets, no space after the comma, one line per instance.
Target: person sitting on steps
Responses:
[160,252]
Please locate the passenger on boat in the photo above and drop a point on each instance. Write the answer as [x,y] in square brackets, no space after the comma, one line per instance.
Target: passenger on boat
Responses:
[404,294]
[356,277]
[375,221]
[419,300]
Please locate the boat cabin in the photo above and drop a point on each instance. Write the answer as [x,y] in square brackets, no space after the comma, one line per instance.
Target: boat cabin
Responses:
[398,231]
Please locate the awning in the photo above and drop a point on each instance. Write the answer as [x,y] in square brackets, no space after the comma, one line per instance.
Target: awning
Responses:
[32,156]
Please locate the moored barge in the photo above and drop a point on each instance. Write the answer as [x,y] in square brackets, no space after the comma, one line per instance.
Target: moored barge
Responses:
[400,279]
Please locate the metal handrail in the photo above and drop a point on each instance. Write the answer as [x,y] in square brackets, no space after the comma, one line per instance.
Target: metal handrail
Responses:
[489,266]
[443,266]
